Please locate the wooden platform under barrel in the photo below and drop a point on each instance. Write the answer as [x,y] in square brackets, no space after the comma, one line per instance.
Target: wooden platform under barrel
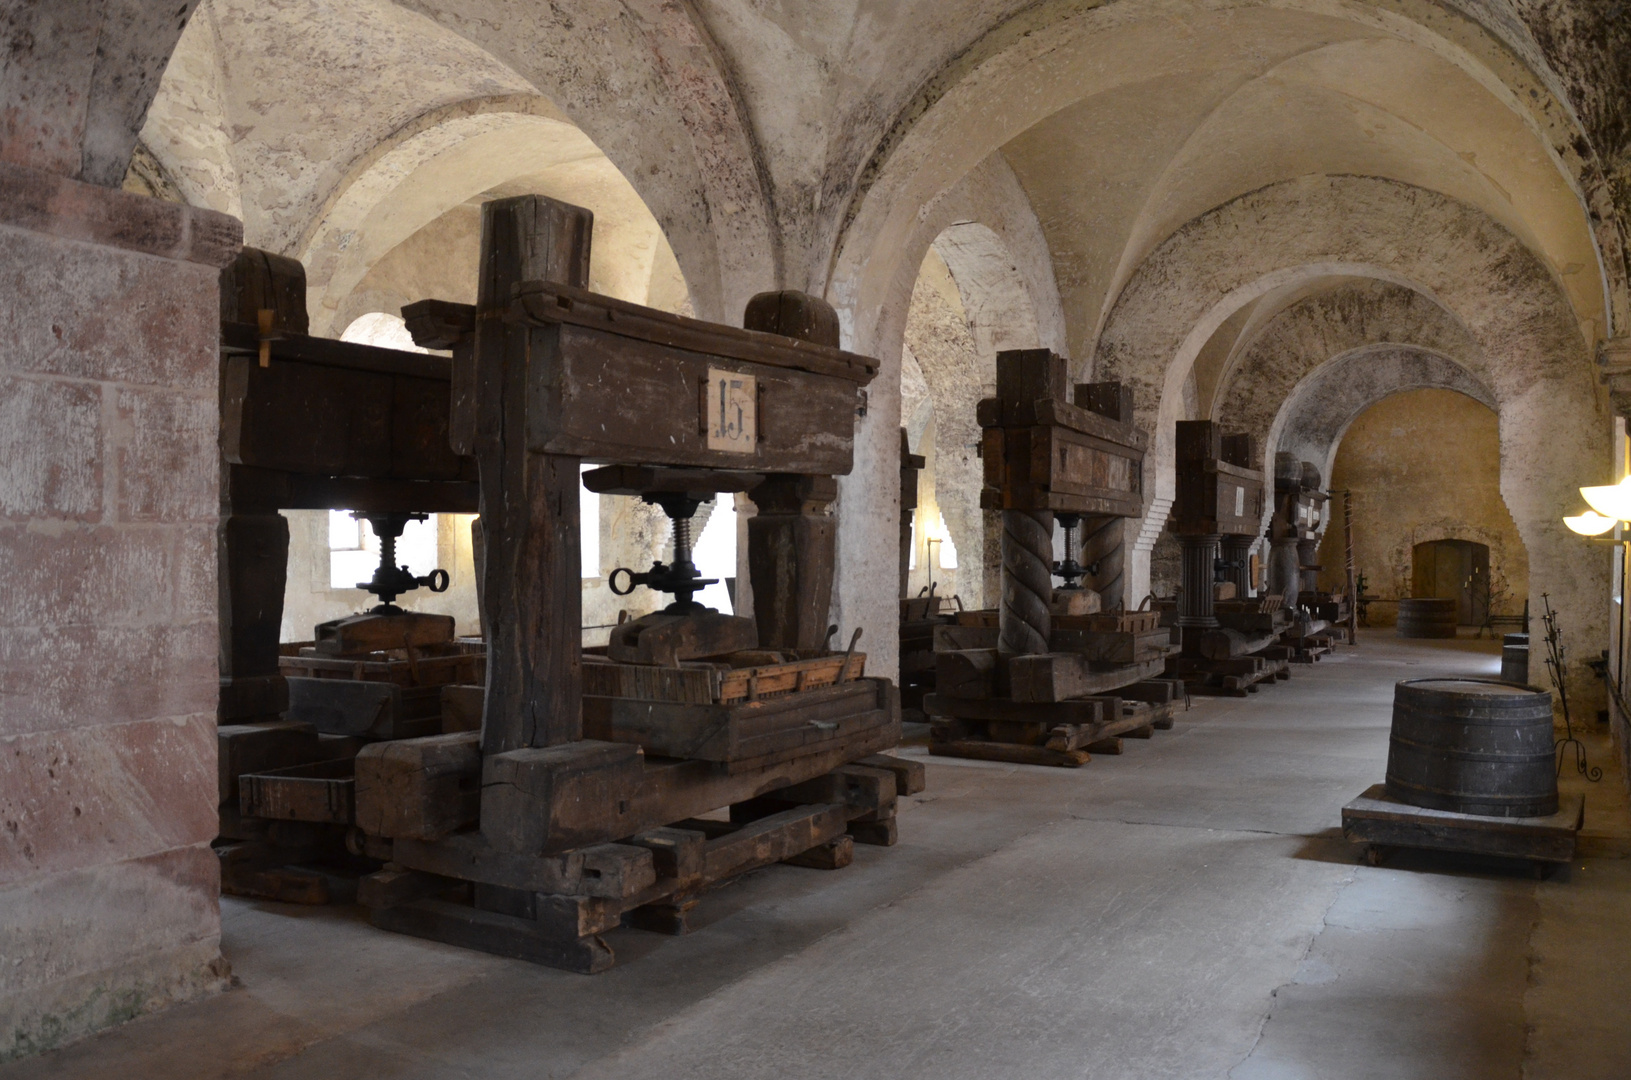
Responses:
[1471,769]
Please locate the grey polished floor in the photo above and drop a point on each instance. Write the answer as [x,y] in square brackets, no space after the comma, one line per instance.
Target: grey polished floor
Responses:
[1187,909]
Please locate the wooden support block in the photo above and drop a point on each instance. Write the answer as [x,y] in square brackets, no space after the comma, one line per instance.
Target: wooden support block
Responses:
[575,916]
[675,853]
[835,854]
[1065,737]
[366,709]
[1375,818]
[462,708]
[1105,746]
[252,697]
[286,884]
[1222,643]
[771,839]
[966,673]
[1019,755]
[867,794]
[1158,691]
[666,640]
[395,885]
[910,776]
[1080,711]
[663,917]
[492,932]
[246,748]
[875,833]
[320,791]
[542,800]
[1145,731]
[611,871]
[419,789]
[1051,677]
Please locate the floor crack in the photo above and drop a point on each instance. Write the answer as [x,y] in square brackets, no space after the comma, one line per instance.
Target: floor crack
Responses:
[1268,1013]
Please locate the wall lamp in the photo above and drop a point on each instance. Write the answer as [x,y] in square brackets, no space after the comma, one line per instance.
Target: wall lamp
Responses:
[1610,504]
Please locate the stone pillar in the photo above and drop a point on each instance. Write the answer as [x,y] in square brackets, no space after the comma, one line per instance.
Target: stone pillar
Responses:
[1237,552]
[108,505]
[1195,602]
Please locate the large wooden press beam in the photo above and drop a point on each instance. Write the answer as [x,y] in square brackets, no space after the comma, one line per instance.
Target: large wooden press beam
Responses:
[322,424]
[1042,452]
[559,376]
[1218,492]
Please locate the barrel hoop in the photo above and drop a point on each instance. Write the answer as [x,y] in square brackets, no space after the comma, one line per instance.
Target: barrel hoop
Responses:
[1441,750]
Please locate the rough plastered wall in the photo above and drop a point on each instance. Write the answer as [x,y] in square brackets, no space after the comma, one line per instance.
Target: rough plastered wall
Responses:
[1422,465]
[108,493]
[939,338]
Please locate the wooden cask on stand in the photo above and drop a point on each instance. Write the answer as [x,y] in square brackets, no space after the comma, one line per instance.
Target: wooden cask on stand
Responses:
[1472,746]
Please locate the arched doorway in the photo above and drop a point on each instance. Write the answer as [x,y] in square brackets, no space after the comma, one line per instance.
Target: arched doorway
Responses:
[1453,570]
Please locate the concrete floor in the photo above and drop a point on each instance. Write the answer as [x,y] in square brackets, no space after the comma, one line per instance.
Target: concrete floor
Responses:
[1185,910]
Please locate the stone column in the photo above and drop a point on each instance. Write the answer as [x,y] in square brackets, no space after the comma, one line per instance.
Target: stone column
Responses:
[109,431]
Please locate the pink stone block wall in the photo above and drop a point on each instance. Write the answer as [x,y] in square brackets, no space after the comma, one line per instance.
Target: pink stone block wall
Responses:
[108,496]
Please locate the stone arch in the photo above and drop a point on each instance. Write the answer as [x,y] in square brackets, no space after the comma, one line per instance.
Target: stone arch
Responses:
[1007,236]
[454,154]
[1287,344]
[1529,350]
[1314,417]
[1050,55]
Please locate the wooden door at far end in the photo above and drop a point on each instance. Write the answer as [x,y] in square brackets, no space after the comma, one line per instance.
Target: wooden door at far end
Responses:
[1453,570]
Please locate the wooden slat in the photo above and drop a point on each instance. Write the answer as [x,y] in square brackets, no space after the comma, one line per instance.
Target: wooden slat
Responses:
[323,791]
[551,302]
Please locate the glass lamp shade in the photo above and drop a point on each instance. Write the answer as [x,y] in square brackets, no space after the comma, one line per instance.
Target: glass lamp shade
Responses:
[1610,500]
[1589,524]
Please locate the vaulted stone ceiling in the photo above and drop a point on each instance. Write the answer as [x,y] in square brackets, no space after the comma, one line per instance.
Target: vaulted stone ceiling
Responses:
[828,145]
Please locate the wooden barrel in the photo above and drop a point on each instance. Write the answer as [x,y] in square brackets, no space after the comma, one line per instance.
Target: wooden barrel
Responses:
[1426,617]
[1472,746]
[1515,663]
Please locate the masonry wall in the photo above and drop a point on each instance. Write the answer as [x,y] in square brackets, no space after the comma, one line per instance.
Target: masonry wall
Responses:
[1422,465]
[108,495]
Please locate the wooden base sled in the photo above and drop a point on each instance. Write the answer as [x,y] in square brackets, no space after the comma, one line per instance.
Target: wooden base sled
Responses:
[1383,823]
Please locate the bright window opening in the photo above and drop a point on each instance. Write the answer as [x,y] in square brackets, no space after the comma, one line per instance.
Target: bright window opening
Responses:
[382,329]
[588,528]
[353,549]
[714,553]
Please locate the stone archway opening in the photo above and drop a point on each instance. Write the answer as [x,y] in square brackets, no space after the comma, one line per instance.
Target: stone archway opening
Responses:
[1423,467]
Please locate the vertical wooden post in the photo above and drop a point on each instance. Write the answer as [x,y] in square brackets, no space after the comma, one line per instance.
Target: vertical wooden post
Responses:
[251,537]
[1196,611]
[793,539]
[909,465]
[1348,553]
[531,594]
[792,544]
